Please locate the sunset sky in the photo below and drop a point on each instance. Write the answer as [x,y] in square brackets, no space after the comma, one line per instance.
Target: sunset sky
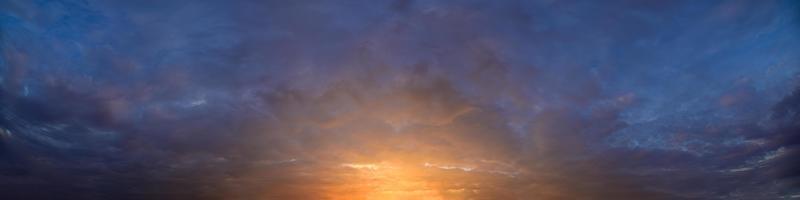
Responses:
[399,100]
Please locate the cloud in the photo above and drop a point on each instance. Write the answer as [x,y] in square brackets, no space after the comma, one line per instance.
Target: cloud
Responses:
[434,99]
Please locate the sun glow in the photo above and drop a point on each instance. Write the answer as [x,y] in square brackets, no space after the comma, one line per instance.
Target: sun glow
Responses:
[385,181]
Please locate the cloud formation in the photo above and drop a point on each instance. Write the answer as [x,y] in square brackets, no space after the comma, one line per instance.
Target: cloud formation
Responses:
[402,99]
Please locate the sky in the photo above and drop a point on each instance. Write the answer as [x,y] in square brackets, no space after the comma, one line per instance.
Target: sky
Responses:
[399,99]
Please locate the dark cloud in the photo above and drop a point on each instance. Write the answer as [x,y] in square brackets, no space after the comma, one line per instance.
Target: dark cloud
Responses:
[786,138]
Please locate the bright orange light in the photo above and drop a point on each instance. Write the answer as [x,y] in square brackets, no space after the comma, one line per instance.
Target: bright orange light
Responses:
[384,181]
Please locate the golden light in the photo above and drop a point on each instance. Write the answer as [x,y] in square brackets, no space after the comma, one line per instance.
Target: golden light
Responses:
[417,142]
[386,181]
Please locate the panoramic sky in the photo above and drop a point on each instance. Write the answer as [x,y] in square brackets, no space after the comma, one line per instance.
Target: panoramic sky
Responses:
[399,99]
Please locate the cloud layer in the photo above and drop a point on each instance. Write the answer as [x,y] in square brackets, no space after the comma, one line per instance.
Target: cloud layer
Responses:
[399,99]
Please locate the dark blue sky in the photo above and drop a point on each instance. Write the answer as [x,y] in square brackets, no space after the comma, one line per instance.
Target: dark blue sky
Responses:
[400,99]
